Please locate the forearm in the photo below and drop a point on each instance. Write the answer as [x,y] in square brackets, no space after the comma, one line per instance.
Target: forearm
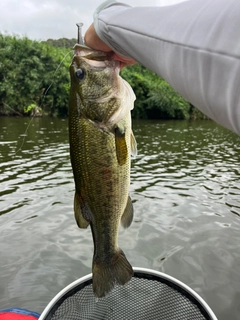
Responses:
[195,46]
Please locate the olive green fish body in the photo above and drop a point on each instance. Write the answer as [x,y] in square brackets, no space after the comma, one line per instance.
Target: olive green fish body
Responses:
[101,143]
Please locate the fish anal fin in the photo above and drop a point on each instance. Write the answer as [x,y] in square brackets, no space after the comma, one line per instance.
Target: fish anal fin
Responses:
[127,216]
[121,146]
[78,213]
[106,274]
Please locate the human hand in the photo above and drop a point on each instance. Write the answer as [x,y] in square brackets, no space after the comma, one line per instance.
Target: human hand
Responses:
[93,41]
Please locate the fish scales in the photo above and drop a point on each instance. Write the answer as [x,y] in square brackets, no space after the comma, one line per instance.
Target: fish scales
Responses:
[101,142]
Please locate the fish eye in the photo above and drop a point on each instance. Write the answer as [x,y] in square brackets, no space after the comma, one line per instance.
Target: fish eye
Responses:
[80,74]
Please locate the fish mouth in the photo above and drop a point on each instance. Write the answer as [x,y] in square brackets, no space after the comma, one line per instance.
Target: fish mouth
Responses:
[95,58]
[101,65]
[83,51]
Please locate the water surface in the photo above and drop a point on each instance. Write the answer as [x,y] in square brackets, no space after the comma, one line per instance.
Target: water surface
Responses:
[185,184]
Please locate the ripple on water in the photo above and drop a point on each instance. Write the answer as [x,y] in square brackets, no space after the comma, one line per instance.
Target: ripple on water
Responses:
[185,186]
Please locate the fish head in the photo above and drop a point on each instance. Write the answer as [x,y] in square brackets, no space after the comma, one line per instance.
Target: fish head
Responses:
[100,90]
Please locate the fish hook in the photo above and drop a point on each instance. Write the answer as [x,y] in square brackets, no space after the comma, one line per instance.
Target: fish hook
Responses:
[80,37]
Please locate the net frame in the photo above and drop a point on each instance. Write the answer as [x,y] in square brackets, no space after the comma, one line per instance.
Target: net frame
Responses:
[140,273]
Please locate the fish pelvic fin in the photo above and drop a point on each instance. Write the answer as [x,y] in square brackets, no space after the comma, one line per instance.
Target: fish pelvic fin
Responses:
[81,221]
[106,274]
[127,216]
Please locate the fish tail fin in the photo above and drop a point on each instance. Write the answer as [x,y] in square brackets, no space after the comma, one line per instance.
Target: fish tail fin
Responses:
[106,274]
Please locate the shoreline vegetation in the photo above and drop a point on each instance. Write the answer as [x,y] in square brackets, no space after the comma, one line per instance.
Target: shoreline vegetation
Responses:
[35,81]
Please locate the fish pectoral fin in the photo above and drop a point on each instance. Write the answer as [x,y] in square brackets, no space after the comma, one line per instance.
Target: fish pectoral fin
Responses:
[127,216]
[133,145]
[81,221]
[121,146]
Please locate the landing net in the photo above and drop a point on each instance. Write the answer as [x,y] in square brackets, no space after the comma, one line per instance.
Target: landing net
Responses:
[149,295]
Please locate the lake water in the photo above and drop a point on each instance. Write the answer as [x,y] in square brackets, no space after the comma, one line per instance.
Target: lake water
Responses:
[185,184]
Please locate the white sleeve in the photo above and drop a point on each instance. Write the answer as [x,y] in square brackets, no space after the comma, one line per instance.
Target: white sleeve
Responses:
[194,45]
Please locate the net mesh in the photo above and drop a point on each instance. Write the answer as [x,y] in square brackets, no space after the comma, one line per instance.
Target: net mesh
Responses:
[144,297]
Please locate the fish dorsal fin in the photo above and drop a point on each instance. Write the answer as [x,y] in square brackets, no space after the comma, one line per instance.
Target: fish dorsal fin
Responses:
[121,145]
[127,216]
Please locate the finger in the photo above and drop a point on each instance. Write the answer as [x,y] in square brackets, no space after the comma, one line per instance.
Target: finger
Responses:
[124,61]
[93,41]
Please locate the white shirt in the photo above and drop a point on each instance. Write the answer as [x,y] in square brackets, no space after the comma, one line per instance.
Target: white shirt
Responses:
[194,45]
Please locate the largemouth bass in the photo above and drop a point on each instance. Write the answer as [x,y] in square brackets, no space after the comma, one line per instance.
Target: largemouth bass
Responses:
[101,144]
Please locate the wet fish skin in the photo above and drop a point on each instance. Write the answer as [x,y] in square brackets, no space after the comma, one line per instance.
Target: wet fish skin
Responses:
[101,142]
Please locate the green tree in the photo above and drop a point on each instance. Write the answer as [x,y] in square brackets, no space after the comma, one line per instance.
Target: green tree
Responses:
[34,78]
[61,43]
[28,76]
[155,97]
